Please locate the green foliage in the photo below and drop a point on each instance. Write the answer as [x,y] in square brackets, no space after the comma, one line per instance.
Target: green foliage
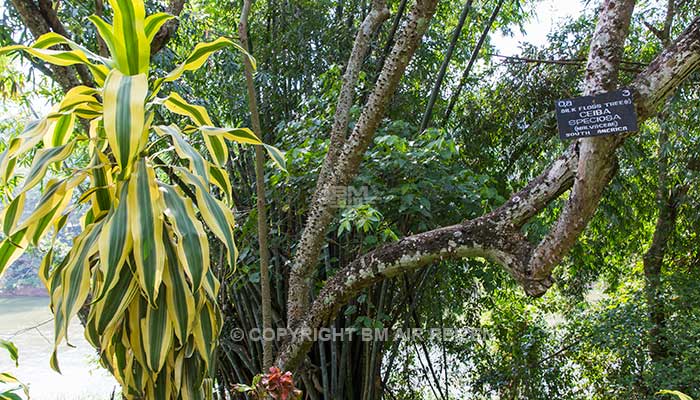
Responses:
[8,379]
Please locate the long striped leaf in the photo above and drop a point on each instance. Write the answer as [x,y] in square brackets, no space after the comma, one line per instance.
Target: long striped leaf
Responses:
[106,32]
[63,127]
[217,216]
[115,242]
[102,181]
[181,307]
[220,178]
[130,37]
[192,244]
[11,248]
[206,331]
[74,285]
[57,57]
[124,116]
[157,333]
[192,376]
[215,144]
[12,213]
[42,160]
[198,165]
[175,103]
[276,156]
[154,22]
[110,310]
[146,225]
[55,199]
[51,39]
[197,58]
[240,135]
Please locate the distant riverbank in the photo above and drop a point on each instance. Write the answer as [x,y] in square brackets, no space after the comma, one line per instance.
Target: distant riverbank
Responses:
[24,291]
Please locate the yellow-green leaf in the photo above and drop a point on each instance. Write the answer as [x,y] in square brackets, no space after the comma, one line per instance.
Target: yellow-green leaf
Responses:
[146,225]
[124,116]
[192,243]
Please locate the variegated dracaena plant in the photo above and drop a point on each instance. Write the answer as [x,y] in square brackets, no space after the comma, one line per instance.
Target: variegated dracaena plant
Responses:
[142,260]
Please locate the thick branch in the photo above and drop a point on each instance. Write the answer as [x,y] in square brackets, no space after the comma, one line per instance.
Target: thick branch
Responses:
[345,169]
[505,245]
[597,159]
[168,29]
[369,26]
[482,237]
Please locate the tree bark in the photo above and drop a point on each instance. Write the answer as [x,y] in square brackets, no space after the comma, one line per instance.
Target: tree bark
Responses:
[169,28]
[265,297]
[341,118]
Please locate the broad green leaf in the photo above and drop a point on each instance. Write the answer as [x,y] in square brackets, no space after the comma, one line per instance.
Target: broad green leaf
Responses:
[181,307]
[192,243]
[146,225]
[124,116]
[157,333]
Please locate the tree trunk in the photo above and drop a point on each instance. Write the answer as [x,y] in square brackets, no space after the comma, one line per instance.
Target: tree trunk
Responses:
[266,299]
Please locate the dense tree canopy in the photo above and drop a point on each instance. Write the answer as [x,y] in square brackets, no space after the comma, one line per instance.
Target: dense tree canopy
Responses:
[425,187]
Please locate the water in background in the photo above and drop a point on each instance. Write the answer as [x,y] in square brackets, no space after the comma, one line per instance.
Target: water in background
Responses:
[82,379]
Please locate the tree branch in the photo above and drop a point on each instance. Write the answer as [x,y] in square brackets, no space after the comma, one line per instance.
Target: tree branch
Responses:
[369,26]
[597,161]
[345,169]
[169,28]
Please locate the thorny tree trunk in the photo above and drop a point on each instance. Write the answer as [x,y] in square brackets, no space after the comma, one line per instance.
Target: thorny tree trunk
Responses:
[347,163]
[266,298]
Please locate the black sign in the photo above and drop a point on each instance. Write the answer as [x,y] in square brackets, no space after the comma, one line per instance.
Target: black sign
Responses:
[605,114]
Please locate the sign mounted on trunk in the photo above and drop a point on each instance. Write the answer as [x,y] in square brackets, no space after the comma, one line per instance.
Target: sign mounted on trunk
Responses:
[601,115]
